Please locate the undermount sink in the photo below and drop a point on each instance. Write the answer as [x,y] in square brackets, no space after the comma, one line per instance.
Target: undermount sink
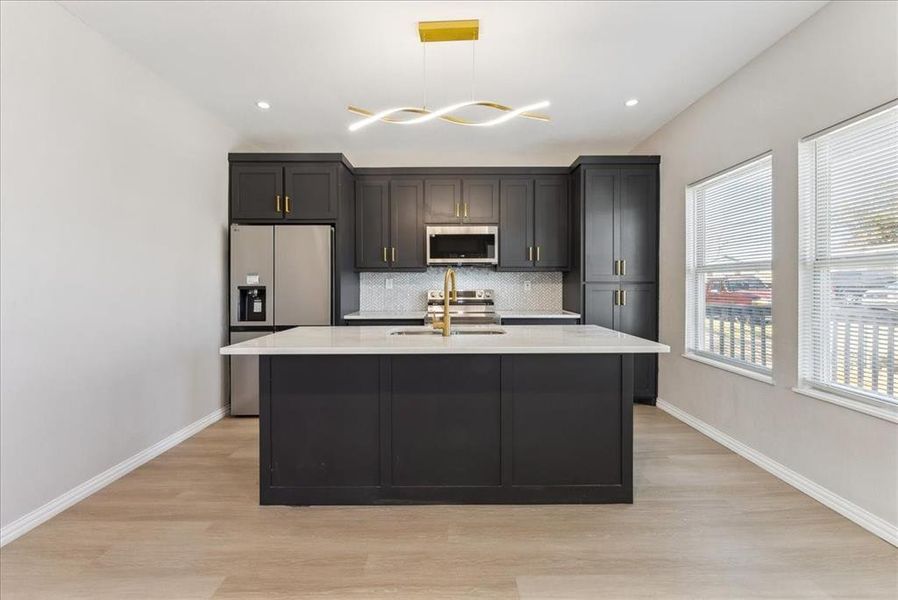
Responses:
[457,330]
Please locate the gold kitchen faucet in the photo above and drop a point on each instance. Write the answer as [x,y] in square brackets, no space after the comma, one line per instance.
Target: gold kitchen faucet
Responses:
[445,324]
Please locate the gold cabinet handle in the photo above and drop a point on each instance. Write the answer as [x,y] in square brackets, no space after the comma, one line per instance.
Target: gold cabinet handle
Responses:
[617,267]
[617,297]
[623,294]
[623,271]
[385,254]
[530,253]
[277,203]
[457,209]
[466,210]
[393,253]
[537,254]
[287,203]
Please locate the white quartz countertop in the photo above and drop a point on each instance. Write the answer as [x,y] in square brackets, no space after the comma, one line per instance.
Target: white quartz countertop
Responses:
[420,314]
[386,315]
[517,339]
[537,314]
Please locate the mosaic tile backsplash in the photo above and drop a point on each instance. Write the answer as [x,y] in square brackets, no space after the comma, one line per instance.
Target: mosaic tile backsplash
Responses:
[410,289]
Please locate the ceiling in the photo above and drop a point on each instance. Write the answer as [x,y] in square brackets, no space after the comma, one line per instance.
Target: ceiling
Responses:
[311,59]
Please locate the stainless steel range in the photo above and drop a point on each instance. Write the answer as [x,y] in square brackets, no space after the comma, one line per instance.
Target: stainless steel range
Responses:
[473,307]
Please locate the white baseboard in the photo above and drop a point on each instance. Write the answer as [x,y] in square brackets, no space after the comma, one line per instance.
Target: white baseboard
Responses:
[26,523]
[872,523]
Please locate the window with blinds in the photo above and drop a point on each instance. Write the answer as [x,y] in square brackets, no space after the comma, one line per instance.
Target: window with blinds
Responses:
[848,303]
[728,267]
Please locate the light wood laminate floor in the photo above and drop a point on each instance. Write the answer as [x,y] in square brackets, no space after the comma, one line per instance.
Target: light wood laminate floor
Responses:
[705,524]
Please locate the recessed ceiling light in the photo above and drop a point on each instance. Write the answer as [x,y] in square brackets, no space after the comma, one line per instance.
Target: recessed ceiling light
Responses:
[262,105]
[632,102]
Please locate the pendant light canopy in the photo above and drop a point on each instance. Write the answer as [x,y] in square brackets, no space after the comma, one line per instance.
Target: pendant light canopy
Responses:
[447,31]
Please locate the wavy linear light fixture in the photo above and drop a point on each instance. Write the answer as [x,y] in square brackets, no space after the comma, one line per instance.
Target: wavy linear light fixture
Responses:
[447,31]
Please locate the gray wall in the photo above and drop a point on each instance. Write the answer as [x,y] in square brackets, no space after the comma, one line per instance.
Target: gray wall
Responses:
[840,62]
[113,211]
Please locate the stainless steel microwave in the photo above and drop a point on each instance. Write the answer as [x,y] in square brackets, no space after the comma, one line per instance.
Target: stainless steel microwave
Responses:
[463,245]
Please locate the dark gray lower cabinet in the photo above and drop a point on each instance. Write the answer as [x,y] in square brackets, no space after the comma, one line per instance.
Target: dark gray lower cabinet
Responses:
[446,428]
[630,308]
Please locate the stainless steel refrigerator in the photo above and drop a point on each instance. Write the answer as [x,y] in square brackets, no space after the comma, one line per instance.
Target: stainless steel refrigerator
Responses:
[281,277]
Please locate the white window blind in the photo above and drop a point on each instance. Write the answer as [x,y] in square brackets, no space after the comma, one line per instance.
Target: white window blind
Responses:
[849,259]
[728,264]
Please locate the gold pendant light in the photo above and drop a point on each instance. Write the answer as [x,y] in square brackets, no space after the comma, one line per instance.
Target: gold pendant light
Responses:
[447,31]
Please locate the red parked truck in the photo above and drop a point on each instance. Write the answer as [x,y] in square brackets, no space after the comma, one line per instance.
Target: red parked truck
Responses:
[738,293]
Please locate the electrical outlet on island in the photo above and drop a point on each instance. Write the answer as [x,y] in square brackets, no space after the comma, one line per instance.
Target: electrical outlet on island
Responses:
[388,283]
[527,285]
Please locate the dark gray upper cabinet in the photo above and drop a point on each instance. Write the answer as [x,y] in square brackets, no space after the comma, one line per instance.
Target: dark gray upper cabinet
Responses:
[620,223]
[480,200]
[389,224]
[638,224]
[310,191]
[300,191]
[534,229]
[516,224]
[372,231]
[442,200]
[257,192]
[407,224]
[601,191]
[551,223]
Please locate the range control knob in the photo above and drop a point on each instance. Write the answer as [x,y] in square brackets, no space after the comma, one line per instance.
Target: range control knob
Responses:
[479,294]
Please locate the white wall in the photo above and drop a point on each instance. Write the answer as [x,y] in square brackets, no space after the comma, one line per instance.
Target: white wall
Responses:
[840,62]
[113,213]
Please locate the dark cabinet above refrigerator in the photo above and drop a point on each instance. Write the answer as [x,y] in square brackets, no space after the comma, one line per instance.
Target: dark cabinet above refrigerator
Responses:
[291,192]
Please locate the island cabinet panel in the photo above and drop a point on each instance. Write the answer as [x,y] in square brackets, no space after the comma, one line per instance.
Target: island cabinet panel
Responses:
[450,436]
[438,428]
[566,407]
[310,192]
[325,426]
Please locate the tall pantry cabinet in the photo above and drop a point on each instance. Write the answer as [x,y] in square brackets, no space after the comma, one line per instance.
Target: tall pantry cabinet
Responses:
[613,281]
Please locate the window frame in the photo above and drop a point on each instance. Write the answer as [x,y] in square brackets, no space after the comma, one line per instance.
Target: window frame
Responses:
[807,266]
[739,367]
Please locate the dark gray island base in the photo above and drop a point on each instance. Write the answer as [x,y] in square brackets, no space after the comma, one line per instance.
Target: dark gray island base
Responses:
[446,428]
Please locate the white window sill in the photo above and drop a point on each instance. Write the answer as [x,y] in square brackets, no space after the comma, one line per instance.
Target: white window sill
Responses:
[768,379]
[884,413]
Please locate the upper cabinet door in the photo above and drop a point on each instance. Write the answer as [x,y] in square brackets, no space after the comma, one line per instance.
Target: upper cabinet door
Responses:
[407,224]
[551,223]
[637,218]
[480,200]
[372,226]
[442,201]
[257,192]
[600,194]
[516,225]
[311,192]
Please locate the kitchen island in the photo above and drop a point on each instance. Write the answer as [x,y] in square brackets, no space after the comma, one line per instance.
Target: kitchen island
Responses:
[381,415]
